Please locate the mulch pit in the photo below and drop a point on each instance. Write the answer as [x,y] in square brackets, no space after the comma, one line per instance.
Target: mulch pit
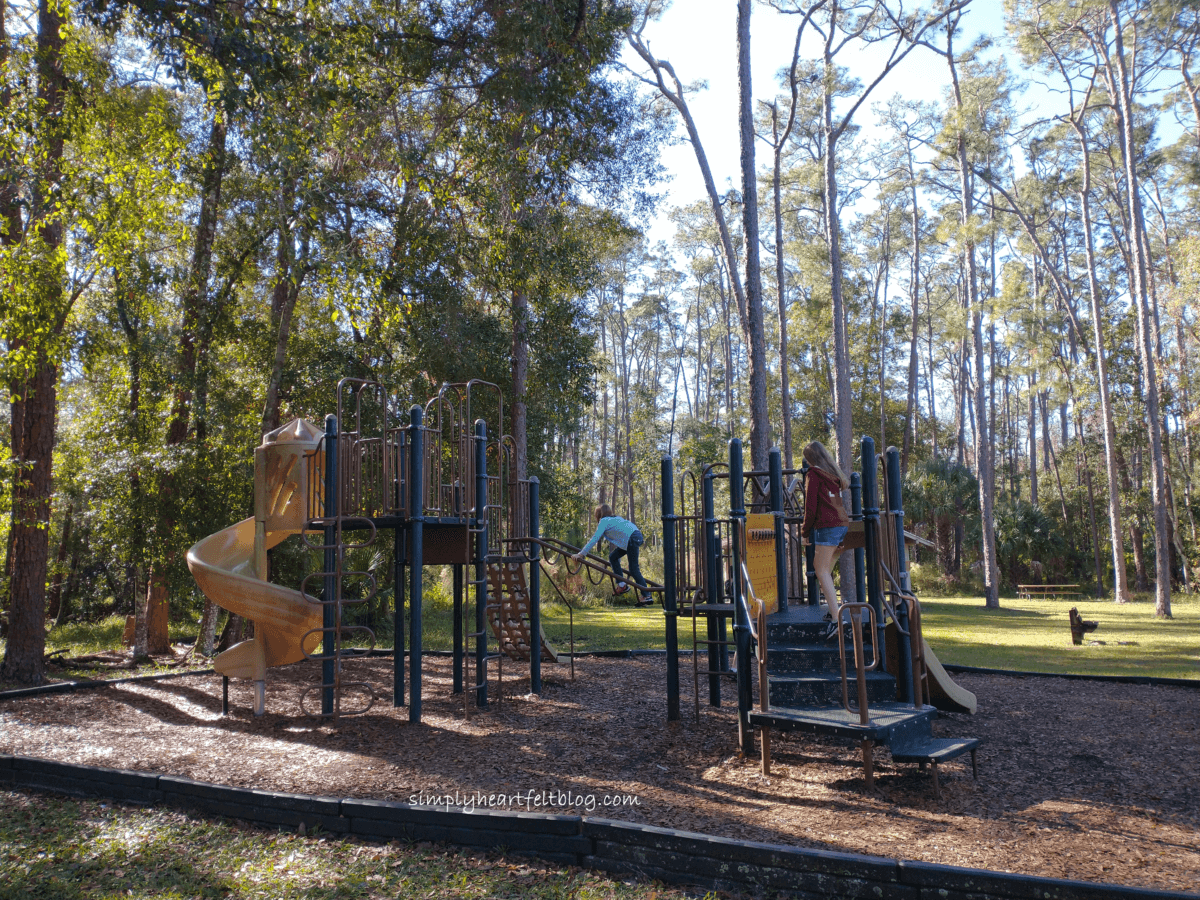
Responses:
[1077,779]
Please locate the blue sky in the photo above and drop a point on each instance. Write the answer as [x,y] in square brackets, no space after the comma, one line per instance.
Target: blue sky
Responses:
[699,37]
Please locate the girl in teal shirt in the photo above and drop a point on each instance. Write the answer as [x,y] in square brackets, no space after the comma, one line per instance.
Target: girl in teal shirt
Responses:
[626,540]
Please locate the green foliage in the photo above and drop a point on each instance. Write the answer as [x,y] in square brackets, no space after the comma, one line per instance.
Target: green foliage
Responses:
[942,495]
[1030,544]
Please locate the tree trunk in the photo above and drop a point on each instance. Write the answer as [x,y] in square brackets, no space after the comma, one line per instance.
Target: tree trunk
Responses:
[35,395]
[843,425]
[55,605]
[195,292]
[1033,460]
[1120,580]
[914,298]
[288,277]
[760,423]
[195,297]
[520,379]
[1119,83]
[785,395]
[11,227]
[983,444]
[663,69]
[24,653]
[603,418]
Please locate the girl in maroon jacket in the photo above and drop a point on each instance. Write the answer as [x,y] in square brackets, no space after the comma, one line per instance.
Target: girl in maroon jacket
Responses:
[825,519]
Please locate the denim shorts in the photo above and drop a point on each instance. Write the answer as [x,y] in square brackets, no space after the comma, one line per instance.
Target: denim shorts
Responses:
[829,537]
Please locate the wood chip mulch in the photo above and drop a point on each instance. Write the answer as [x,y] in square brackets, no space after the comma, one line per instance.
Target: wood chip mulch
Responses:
[1082,780]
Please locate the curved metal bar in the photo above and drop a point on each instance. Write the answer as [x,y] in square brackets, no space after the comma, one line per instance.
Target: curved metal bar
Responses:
[542,564]
[860,668]
[367,687]
[370,594]
[354,629]
[591,562]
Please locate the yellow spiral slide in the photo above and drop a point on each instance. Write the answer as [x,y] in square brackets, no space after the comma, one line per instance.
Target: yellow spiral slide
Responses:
[231,566]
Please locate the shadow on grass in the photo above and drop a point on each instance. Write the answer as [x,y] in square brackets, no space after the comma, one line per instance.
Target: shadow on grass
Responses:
[70,852]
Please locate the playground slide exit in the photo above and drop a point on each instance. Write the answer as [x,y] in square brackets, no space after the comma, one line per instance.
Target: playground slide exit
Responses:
[230,566]
[944,692]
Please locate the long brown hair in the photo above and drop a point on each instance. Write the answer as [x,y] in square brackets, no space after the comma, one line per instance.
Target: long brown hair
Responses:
[603,511]
[816,455]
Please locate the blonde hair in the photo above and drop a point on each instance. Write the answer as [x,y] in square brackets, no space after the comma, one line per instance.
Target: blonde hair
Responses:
[603,511]
[816,455]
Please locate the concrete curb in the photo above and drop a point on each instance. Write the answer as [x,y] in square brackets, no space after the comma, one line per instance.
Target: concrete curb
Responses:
[678,857]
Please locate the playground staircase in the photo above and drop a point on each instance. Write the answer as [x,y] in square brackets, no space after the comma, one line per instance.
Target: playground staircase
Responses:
[805,694]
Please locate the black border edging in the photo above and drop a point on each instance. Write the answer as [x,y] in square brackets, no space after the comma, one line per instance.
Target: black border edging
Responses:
[672,856]
[1111,679]
[66,687]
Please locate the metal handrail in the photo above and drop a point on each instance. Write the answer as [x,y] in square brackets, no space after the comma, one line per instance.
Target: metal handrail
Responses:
[915,638]
[591,562]
[860,666]
[542,565]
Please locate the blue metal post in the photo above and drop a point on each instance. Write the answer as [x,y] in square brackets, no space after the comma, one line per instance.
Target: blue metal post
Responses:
[814,588]
[328,613]
[401,545]
[715,625]
[535,587]
[416,556]
[870,511]
[896,510]
[741,627]
[670,601]
[775,470]
[481,554]
[856,516]
[398,679]
[457,686]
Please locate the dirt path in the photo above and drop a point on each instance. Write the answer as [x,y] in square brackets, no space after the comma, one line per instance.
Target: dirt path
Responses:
[1076,779]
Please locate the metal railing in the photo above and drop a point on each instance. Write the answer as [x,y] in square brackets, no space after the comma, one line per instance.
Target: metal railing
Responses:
[854,611]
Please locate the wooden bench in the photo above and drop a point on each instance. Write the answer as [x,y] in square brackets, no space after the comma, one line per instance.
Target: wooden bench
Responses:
[1043,591]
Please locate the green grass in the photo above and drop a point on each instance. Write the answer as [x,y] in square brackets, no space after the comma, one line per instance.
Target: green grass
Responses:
[597,627]
[75,639]
[1034,636]
[61,849]
[79,638]
[1022,635]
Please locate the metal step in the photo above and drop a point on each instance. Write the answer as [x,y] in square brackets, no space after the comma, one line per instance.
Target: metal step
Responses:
[934,750]
[886,719]
[825,689]
[796,659]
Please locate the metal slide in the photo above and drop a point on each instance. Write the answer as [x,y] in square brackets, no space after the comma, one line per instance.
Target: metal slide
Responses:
[944,693]
[230,566]
[222,565]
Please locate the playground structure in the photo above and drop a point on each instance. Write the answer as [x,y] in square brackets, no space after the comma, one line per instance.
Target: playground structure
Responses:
[446,485]
[884,685]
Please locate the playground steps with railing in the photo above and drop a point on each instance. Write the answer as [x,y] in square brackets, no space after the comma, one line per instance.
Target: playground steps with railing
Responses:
[805,693]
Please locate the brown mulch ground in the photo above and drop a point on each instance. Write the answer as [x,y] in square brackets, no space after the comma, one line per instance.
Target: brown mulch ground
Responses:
[1083,780]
